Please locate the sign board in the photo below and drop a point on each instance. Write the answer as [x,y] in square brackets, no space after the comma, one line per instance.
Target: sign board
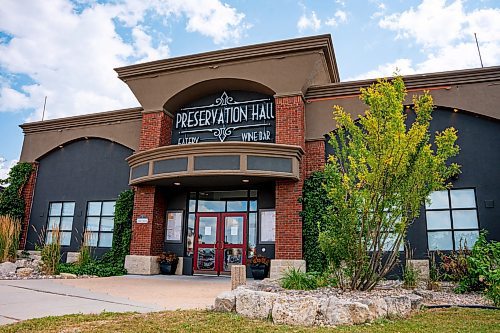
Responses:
[227,116]
[267,225]
[173,232]
[142,219]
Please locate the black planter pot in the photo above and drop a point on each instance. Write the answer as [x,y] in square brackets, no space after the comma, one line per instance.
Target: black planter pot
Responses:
[259,272]
[168,268]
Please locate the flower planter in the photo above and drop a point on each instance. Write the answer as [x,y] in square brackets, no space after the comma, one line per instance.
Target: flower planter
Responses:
[260,271]
[167,268]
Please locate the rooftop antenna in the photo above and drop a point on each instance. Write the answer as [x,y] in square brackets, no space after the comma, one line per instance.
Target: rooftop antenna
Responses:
[44,103]
[478,51]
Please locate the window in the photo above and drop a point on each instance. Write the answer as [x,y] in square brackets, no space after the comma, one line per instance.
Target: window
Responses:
[452,220]
[100,223]
[60,218]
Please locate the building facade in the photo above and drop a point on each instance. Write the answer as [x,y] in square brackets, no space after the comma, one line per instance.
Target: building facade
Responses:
[219,149]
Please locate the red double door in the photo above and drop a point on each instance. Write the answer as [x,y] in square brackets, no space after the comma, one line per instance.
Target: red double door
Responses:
[220,242]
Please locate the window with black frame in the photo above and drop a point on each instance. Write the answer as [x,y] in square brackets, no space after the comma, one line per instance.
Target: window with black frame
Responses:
[452,219]
[60,221]
[100,223]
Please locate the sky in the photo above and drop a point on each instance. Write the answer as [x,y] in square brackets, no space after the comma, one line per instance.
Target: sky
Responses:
[67,49]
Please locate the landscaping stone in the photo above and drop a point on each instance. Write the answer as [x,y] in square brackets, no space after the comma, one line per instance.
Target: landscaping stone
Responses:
[294,310]
[24,271]
[340,312]
[377,307]
[254,304]
[398,306]
[7,268]
[68,276]
[225,302]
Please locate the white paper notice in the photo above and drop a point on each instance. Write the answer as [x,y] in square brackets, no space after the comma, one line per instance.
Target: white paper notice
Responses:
[234,231]
[208,231]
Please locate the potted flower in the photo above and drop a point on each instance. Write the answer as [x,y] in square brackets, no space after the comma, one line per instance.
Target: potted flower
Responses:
[259,265]
[168,263]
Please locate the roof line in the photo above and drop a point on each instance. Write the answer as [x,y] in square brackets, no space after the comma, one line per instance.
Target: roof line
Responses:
[427,80]
[321,43]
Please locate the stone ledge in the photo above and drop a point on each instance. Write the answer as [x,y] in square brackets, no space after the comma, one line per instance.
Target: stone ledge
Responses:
[142,265]
[279,266]
[309,310]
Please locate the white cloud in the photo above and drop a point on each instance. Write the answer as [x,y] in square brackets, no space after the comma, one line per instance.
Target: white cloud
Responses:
[402,66]
[340,16]
[309,21]
[5,167]
[444,33]
[70,54]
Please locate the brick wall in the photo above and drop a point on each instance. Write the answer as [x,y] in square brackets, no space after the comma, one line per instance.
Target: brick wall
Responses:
[314,158]
[290,129]
[147,238]
[156,130]
[27,193]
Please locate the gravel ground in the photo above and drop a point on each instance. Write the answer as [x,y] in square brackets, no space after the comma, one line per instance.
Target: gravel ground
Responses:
[387,288]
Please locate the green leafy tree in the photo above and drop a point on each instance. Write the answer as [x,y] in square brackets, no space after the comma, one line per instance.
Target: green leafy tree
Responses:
[380,174]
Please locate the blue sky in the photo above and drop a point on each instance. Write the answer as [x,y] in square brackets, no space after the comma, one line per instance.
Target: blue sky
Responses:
[67,50]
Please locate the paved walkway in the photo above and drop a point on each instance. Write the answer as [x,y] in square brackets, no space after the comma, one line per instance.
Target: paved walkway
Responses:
[25,299]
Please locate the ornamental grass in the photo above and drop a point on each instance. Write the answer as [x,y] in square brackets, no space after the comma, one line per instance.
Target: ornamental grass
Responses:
[9,237]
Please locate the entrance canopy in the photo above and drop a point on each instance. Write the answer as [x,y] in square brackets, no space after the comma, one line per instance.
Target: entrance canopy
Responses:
[231,162]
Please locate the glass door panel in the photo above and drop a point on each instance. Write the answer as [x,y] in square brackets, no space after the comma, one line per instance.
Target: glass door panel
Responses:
[234,245]
[207,230]
[206,240]
[233,233]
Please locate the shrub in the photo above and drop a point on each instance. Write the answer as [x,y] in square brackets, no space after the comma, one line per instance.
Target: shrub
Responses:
[455,264]
[410,273]
[483,270]
[51,253]
[9,237]
[314,202]
[298,280]
[11,199]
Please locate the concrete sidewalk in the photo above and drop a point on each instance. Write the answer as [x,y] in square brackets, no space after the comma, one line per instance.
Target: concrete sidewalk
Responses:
[26,299]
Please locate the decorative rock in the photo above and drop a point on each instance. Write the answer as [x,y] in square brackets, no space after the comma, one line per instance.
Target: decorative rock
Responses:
[377,307]
[398,306]
[416,301]
[24,272]
[255,304]
[21,263]
[295,310]
[67,276]
[225,302]
[7,268]
[340,312]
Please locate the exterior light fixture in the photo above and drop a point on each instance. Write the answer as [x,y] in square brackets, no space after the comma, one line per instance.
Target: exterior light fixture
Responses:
[245,180]
[177,184]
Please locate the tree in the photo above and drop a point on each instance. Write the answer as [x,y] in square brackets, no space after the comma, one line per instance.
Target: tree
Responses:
[380,174]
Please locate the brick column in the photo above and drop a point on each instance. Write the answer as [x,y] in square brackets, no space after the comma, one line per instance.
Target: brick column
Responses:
[314,158]
[290,129]
[28,192]
[147,238]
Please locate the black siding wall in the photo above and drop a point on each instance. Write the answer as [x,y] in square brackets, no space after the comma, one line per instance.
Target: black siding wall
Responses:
[81,171]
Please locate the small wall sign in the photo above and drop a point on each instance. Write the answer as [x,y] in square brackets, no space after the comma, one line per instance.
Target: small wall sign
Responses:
[142,219]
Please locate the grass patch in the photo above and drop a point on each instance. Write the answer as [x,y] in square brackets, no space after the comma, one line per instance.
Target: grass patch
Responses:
[436,320]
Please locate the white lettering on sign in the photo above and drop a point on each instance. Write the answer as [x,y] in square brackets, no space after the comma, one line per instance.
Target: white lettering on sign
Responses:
[223,117]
